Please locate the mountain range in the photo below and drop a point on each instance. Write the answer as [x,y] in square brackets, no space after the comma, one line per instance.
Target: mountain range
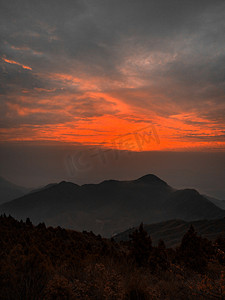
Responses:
[111,206]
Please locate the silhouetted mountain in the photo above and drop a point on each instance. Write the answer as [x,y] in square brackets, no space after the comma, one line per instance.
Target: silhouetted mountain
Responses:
[10,191]
[172,231]
[151,179]
[111,206]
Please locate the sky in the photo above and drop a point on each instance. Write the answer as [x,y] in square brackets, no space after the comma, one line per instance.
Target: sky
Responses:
[34,165]
[137,75]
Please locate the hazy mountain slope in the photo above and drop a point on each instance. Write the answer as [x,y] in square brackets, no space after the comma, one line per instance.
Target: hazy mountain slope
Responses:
[217,202]
[43,203]
[10,191]
[42,188]
[111,206]
[172,231]
[188,204]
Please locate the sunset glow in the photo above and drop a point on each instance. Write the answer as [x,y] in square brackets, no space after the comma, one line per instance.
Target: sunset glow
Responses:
[93,116]
[104,87]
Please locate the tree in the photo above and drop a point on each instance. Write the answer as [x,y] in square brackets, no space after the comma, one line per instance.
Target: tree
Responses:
[28,222]
[141,245]
[192,251]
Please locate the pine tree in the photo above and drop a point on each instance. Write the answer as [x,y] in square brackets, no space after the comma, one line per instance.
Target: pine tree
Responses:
[191,251]
[28,222]
[141,245]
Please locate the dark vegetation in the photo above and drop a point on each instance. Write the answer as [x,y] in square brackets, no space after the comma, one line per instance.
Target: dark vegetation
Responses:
[172,231]
[54,263]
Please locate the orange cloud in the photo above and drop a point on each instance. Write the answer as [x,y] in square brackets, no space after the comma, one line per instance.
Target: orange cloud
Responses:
[22,110]
[16,63]
[107,118]
[115,132]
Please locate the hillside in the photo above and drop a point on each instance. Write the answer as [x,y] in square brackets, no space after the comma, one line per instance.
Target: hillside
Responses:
[172,231]
[111,206]
[39,262]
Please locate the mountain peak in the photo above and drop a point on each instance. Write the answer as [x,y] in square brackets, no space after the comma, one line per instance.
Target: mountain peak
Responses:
[150,178]
[67,184]
[109,182]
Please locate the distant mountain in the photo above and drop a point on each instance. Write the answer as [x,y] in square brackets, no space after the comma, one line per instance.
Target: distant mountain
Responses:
[172,231]
[111,206]
[10,191]
[42,188]
[217,202]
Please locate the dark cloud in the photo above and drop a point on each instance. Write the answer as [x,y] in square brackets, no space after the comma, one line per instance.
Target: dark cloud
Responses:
[206,138]
[100,33]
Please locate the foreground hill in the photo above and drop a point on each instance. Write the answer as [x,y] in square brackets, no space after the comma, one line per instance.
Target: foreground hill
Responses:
[55,263]
[171,232]
[10,191]
[111,206]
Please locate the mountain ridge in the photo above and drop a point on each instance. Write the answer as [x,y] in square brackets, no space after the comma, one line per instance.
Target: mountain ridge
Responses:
[111,206]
